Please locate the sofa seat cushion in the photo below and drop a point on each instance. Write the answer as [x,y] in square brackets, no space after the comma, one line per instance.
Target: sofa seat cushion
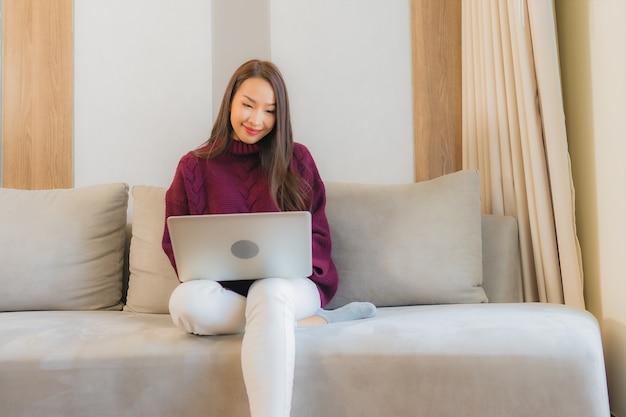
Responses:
[445,360]
[521,359]
[114,363]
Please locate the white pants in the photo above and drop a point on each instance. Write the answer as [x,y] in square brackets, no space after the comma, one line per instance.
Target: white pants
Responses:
[268,316]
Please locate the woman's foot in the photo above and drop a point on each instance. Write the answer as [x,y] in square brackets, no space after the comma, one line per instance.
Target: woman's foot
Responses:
[352,311]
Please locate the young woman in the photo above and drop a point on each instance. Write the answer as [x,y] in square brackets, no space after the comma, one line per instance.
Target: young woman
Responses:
[251,164]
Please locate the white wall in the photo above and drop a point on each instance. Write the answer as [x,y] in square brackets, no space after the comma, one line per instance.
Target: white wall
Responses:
[144,77]
[142,88]
[348,69]
[241,31]
[593,60]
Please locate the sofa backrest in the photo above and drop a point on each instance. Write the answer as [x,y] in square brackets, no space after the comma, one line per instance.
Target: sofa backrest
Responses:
[502,274]
[450,254]
[421,243]
[74,255]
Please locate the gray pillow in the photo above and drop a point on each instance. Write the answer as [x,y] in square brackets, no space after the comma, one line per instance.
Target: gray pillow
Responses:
[62,249]
[408,244]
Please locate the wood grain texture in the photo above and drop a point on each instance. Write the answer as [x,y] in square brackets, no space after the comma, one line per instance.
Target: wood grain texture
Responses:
[37,94]
[436,60]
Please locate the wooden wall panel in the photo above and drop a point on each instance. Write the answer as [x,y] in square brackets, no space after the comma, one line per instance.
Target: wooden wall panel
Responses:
[436,57]
[37,94]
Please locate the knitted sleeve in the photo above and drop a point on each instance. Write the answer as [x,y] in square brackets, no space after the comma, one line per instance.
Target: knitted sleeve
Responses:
[324,271]
[184,196]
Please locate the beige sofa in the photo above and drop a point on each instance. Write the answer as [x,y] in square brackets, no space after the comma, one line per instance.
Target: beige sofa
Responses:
[80,337]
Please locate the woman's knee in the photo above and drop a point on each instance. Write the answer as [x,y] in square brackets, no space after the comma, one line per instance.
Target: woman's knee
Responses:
[270,295]
[299,294]
[206,308]
[271,289]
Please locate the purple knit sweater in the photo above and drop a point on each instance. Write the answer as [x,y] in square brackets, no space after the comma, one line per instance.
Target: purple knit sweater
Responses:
[234,182]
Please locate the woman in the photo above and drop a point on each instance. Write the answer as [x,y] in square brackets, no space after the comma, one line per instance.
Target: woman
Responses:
[251,164]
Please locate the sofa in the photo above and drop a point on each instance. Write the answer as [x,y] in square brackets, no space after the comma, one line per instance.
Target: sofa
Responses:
[85,330]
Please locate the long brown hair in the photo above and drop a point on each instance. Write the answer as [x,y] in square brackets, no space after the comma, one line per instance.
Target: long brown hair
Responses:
[276,149]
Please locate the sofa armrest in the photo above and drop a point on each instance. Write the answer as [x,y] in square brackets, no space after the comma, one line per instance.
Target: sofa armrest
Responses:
[502,273]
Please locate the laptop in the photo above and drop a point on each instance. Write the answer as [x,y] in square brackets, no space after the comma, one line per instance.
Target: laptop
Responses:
[226,247]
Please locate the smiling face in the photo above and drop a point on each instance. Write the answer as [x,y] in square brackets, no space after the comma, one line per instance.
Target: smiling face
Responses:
[253,110]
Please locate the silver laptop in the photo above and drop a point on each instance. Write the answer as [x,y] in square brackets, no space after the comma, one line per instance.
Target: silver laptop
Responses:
[226,247]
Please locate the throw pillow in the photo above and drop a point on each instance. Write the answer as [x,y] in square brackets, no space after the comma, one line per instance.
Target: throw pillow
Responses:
[62,249]
[407,244]
[152,278]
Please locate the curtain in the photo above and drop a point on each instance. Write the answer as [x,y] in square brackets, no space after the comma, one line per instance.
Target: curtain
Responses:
[514,134]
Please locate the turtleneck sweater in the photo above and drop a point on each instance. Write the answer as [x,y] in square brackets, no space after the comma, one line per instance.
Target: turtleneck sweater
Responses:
[234,182]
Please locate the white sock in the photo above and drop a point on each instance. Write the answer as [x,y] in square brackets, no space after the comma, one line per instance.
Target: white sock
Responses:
[352,311]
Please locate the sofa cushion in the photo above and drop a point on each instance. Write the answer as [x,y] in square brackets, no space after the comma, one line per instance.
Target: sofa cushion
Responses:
[487,360]
[152,278]
[408,244]
[62,249]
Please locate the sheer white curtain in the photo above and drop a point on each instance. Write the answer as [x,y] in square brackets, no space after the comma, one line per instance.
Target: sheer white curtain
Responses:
[514,134]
